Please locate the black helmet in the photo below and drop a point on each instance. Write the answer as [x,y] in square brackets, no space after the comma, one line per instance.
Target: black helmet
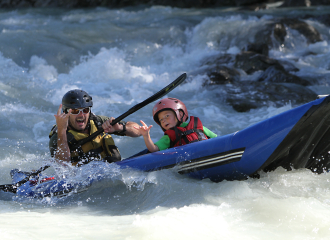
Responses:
[76,99]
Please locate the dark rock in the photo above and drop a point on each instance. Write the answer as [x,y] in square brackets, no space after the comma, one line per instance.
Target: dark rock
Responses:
[251,62]
[279,75]
[223,75]
[249,95]
[309,32]
[253,5]
[246,2]
[263,39]
[218,60]
[121,3]
[279,32]
[304,3]
[273,34]
[240,105]
[262,42]
[216,67]
[261,48]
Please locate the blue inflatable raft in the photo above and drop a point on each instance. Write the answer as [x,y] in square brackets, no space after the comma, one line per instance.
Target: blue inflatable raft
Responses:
[297,138]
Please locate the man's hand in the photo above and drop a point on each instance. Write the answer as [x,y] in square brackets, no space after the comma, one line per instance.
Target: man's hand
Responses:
[62,119]
[62,122]
[108,128]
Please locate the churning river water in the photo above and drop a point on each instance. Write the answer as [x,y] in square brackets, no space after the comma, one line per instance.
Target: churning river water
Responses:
[121,57]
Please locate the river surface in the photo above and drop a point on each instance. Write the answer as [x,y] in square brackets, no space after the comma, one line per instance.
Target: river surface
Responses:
[121,57]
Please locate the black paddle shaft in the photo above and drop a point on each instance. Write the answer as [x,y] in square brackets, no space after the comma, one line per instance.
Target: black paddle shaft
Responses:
[154,97]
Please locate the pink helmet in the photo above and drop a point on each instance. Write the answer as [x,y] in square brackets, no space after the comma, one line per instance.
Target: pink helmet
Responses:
[170,104]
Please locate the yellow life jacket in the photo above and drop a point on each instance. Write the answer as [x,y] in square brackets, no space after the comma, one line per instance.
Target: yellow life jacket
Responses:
[101,147]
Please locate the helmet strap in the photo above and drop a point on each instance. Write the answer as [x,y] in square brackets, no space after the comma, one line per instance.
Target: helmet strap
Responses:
[180,111]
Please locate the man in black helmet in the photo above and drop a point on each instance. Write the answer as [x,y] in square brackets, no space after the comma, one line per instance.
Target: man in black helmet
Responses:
[75,122]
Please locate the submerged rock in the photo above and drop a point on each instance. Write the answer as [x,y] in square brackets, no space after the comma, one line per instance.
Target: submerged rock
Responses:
[308,31]
[251,62]
[223,75]
[273,34]
[249,95]
[279,75]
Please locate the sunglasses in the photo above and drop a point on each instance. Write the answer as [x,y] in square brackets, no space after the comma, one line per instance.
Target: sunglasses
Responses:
[77,111]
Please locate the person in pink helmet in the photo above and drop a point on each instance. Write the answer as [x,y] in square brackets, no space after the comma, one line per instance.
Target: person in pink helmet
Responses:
[171,115]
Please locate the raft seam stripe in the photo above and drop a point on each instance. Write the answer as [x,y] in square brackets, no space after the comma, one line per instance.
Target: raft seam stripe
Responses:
[208,162]
[211,160]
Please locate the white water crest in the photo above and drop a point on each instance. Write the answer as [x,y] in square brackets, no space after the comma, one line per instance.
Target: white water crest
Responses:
[121,57]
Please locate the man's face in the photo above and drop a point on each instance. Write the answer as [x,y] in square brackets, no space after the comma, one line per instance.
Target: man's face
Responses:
[79,121]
